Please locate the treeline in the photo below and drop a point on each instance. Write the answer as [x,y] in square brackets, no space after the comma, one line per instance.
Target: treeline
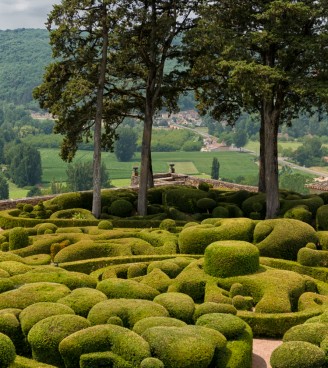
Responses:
[24,53]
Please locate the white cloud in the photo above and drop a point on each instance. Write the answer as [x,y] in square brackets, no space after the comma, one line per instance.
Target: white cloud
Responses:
[24,13]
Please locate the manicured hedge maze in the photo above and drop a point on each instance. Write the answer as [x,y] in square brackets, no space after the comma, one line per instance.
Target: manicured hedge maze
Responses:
[179,288]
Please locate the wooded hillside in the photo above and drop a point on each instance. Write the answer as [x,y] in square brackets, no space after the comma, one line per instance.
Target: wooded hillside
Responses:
[23,55]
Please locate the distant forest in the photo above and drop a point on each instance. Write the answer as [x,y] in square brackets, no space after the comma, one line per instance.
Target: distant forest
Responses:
[24,53]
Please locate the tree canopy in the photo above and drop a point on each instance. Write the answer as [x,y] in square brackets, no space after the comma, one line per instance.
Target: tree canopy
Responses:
[269,57]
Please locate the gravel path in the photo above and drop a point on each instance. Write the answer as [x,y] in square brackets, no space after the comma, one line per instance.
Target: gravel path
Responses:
[262,349]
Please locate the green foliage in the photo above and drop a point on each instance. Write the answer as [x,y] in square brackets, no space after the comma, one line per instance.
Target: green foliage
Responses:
[105,225]
[183,199]
[18,238]
[45,346]
[312,257]
[297,354]
[121,208]
[299,213]
[190,146]
[4,187]
[141,326]
[122,342]
[179,305]
[194,346]
[168,224]
[80,176]
[215,171]
[322,218]
[7,351]
[24,165]
[313,333]
[126,144]
[34,313]
[231,258]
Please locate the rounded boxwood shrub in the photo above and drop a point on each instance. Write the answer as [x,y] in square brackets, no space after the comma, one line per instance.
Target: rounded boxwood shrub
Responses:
[141,326]
[241,302]
[157,279]
[229,325]
[297,354]
[211,307]
[204,186]
[45,336]
[171,268]
[120,288]
[168,224]
[7,351]
[121,208]
[130,311]
[18,238]
[137,269]
[105,225]
[311,332]
[38,311]
[185,347]
[81,300]
[32,293]
[103,359]
[301,213]
[206,204]
[220,212]
[118,340]
[231,258]
[28,207]
[311,257]
[179,305]
[152,363]
[42,228]
[14,267]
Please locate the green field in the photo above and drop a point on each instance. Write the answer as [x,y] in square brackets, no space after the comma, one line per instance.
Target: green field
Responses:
[232,164]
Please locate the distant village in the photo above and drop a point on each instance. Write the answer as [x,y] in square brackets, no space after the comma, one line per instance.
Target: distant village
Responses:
[191,119]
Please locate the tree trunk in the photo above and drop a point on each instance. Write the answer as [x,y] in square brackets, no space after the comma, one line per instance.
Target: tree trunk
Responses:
[262,158]
[96,199]
[145,170]
[271,160]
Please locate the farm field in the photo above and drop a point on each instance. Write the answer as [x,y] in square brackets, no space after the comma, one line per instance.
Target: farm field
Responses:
[232,164]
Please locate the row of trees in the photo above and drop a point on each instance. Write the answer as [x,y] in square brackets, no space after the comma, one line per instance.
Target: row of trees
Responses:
[264,57]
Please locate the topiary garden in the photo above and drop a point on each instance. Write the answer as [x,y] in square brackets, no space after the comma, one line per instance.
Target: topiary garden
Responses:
[179,288]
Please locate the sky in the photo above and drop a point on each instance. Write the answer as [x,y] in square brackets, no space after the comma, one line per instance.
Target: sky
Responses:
[24,13]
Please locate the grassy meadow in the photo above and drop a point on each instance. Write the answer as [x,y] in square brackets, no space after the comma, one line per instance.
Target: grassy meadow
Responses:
[232,164]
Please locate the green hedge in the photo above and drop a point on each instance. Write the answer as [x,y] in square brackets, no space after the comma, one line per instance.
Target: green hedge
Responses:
[130,311]
[7,351]
[141,326]
[119,340]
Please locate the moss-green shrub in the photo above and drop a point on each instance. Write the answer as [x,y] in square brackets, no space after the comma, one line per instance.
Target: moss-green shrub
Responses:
[179,305]
[185,347]
[38,311]
[313,333]
[5,246]
[236,197]
[297,354]
[105,225]
[184,199]
[10,326]
[14,267]
[141,326]
[255,203]
[38,260]
[220,212]
[81,300]
[42,228]
[22,362]
[103,359]
[274,238]
[234,210]
[321,218]
[121,208]
[206,204]
[169,267]
[157,279]
[71,200]
[241,302]
[229,325]
[27,207]
[231,258]
[58,275]
[151,363]
[119,340]
[18,238]
[129,310]
[137,269]
[211,307]
[32,293]
[301,213]
[168,224]
[194,239]
[118,288]
[7,351]
[45,345]
[311,257]
[73,214]
[313,202]
[204,186]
